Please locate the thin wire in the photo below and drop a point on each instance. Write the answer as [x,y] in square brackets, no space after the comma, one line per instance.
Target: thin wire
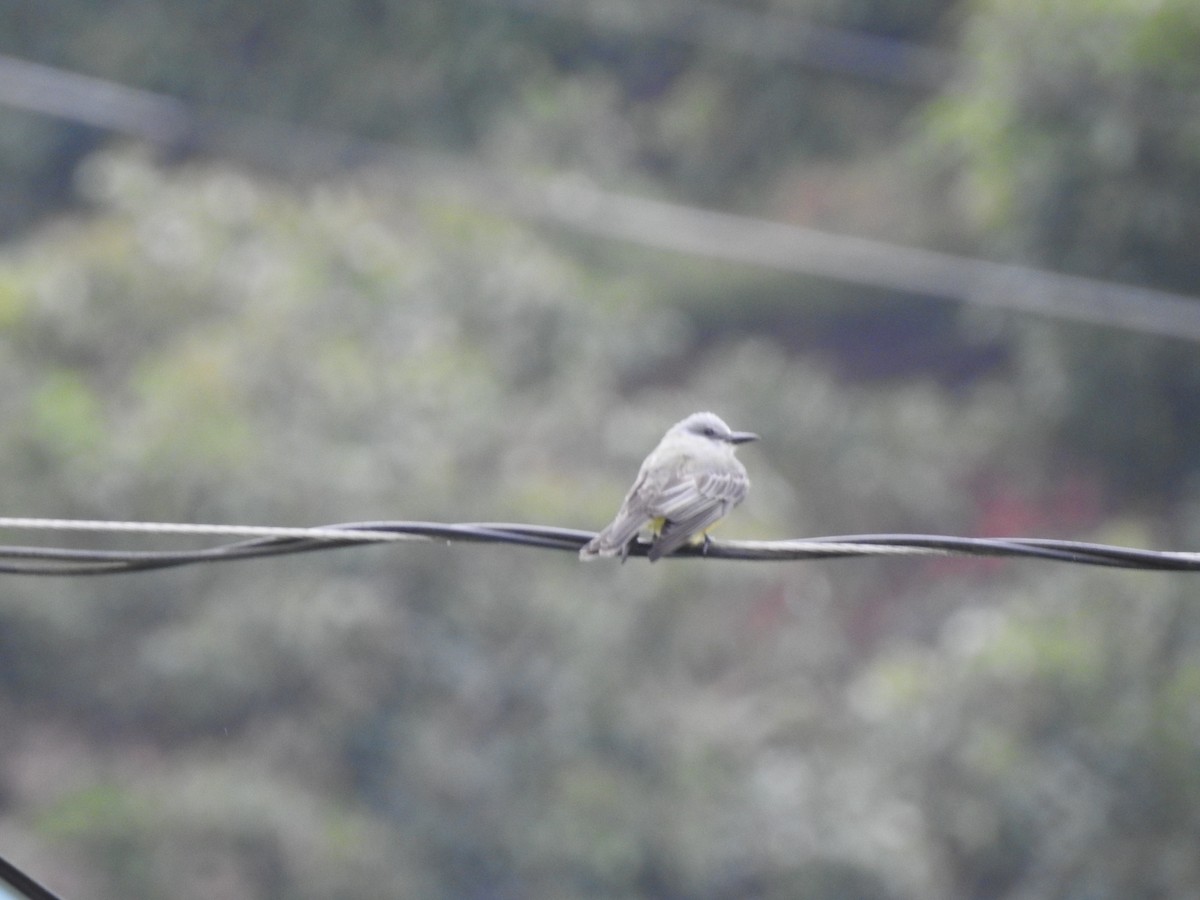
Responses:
[335,533]
[795,249]
[19,881]
[271,541]
[576,204]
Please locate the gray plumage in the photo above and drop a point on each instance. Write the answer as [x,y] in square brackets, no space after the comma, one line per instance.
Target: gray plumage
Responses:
[691,480]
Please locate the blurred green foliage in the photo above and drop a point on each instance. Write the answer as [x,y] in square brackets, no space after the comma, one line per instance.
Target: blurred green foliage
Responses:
[195,340]
[488,76]
[1071,142]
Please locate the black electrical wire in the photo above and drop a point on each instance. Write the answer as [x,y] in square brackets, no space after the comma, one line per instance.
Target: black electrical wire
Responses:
[21,883]
[27,560]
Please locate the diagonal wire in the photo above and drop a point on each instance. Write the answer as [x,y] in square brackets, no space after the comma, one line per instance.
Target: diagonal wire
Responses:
[269,541]
[23,884]
[576,204]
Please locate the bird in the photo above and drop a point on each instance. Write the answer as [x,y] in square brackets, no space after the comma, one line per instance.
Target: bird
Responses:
[690,481]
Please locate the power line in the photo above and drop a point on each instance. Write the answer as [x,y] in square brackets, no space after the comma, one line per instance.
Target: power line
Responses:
[270,541]
[115,107]
[22,883]
[806,251]
[336,532]
[577,204]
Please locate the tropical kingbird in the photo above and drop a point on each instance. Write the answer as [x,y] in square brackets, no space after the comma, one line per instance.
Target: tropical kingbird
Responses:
[685,486]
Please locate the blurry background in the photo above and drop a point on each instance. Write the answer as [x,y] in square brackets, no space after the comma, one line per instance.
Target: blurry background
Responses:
[455,260]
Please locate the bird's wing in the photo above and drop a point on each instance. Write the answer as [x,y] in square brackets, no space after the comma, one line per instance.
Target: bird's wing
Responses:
[695,502]
[632,517]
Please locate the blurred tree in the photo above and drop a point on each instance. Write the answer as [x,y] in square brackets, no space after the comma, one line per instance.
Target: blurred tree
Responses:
[203,346]
[198,343]
[1069,141]
[550,88]
[1082,775]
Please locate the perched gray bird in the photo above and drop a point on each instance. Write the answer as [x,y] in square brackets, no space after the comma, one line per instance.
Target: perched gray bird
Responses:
[685,486]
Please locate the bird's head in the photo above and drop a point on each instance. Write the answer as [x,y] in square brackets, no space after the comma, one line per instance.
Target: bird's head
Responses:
[711,427]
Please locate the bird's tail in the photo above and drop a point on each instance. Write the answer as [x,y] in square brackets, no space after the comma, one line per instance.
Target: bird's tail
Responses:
[614,539]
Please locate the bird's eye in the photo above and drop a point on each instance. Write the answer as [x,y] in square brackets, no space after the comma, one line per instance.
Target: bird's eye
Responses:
[709,431]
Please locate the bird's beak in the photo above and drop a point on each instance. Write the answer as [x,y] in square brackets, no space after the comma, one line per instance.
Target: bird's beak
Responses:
[742,437]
